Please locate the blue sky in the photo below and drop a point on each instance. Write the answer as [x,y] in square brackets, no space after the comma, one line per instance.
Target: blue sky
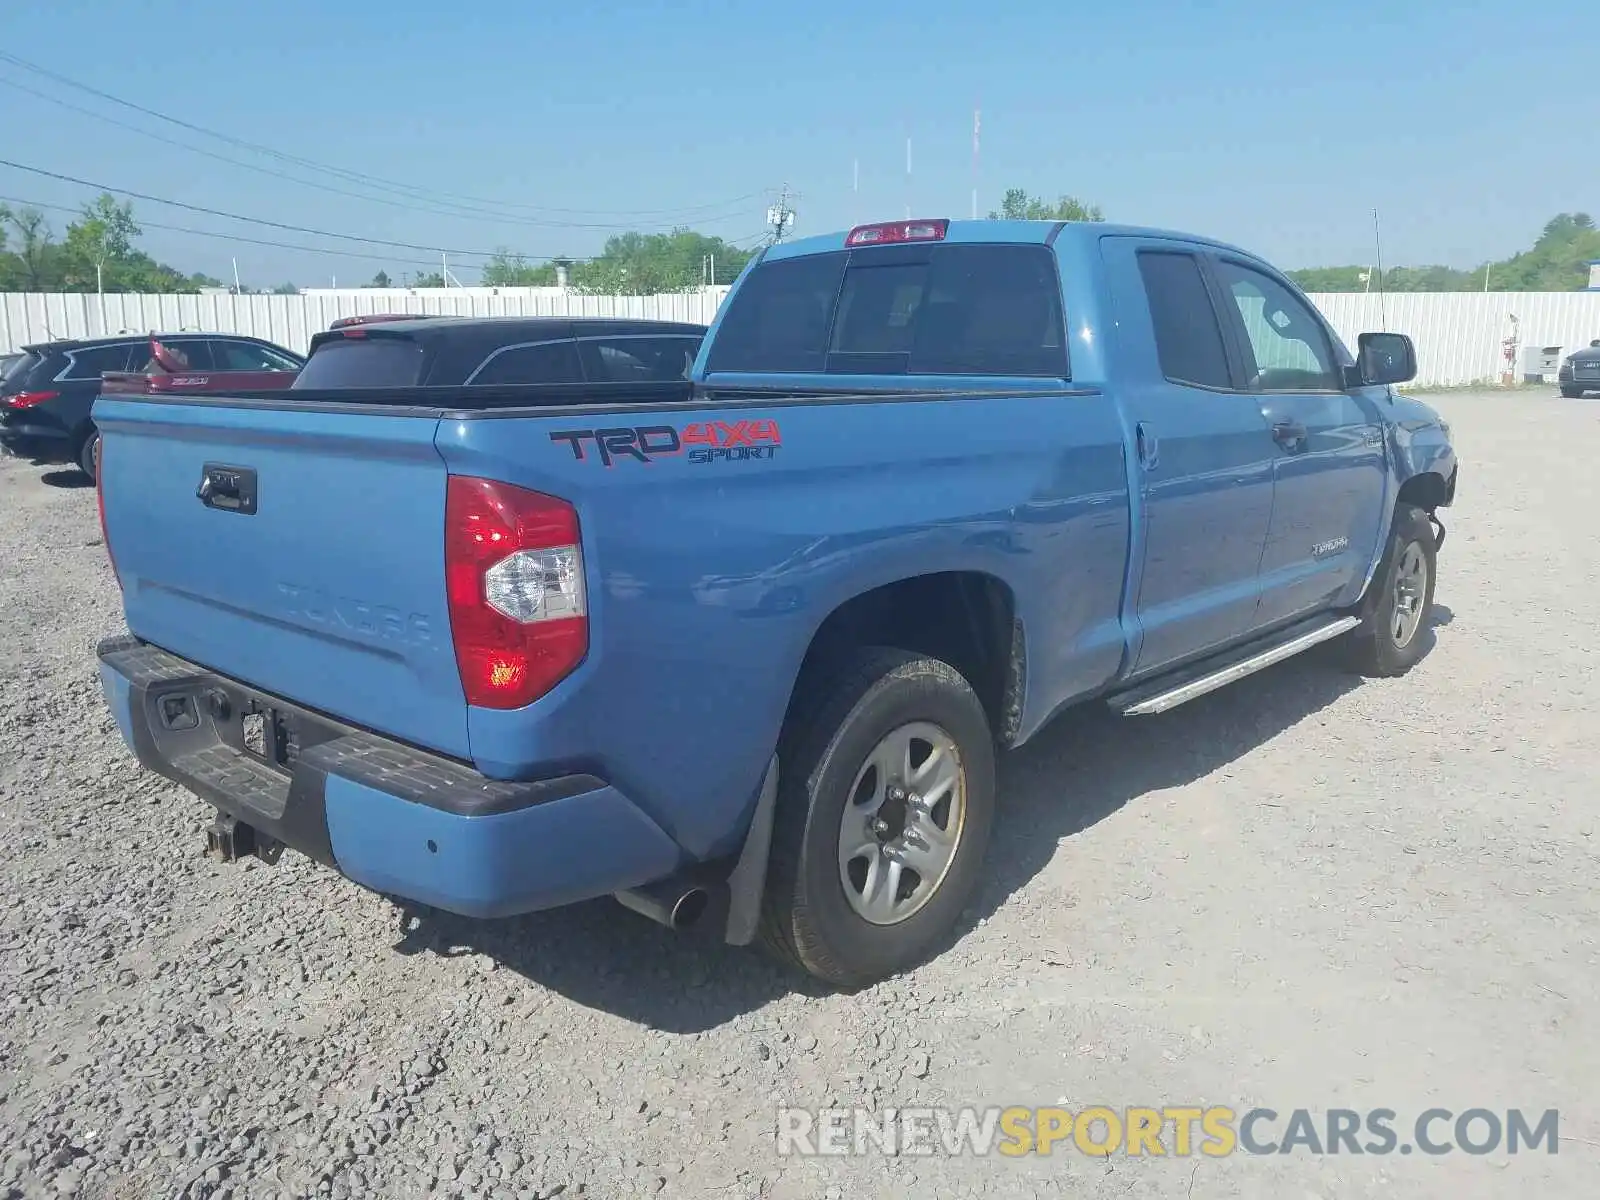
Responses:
[1278,126]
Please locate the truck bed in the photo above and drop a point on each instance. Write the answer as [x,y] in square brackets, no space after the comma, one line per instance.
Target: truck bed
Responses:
[715,534]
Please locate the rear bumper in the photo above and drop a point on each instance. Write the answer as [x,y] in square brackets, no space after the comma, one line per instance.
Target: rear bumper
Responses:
[393,818]
[32,439]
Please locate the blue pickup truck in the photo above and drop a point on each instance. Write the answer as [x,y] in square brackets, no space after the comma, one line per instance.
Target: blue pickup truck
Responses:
[740,649]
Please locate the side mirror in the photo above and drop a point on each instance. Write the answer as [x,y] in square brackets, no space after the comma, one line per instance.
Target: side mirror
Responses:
[1386,358]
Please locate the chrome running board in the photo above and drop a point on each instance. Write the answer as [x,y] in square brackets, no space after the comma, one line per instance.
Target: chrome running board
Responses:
[1162,694]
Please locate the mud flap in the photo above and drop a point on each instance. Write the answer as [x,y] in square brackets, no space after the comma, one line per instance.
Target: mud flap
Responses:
[748,880]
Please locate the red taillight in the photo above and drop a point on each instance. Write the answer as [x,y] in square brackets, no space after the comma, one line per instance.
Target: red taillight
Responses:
[29,399]
[100,501]
[886,232]
[513,564]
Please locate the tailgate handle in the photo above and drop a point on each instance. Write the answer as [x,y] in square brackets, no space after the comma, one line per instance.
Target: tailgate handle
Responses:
[232,489]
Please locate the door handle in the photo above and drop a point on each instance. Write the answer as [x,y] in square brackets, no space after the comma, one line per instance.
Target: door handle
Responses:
[1149,447]
[1286,433]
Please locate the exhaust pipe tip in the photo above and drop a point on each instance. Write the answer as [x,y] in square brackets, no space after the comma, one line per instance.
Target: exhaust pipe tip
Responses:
[690,907]
[671,902]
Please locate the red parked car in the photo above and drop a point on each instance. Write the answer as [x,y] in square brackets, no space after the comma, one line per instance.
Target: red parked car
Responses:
[168,370]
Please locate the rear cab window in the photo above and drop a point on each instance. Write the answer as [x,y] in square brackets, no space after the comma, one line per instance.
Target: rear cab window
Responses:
[946,309]
[368,361]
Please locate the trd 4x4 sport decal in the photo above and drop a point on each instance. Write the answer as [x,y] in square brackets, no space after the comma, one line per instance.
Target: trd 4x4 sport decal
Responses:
[702,442]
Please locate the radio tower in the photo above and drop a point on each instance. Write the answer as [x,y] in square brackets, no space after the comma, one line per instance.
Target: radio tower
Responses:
[975,127]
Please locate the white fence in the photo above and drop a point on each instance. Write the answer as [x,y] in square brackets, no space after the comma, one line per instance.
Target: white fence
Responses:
[28,317]
[1459,335]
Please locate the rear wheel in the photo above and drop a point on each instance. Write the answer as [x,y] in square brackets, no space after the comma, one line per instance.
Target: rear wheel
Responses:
[1390,639]
[885,801]
[89,454]
[1572,393]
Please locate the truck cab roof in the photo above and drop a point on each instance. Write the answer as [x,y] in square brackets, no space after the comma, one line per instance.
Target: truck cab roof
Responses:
[1016,232]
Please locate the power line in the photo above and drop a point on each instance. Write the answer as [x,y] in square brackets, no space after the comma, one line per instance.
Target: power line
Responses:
[217,212]
[430,263]
[458,211]
[374,181]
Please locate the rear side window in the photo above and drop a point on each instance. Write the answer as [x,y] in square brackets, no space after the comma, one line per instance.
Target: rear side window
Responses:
[1188,334]
[548,362]
[196,350]
[944,310]
[15,368]
[779,317]
[248,356]
[641,359]
[362,363]
[96,361]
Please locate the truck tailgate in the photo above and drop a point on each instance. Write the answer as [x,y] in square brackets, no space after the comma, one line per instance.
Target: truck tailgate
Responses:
[297,549]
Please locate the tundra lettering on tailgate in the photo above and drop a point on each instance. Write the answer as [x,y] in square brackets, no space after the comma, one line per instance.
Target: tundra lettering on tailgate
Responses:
[374,622]
[702,442]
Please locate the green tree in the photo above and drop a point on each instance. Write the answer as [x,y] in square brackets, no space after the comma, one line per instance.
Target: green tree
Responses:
[505,269]
[644,264]
[35,265]
[432,280]
[380,280]
[1017,205]
[100,244]
[1557,262]
[98,251]
[286,289]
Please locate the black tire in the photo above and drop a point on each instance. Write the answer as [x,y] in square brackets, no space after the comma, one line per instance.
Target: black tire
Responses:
[839,717]
[89,454]
[1373,647]
[1572,393]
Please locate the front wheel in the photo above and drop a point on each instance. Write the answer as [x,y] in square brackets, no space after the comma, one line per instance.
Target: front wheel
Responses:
[1389,641]
[1572,393]
[886,797]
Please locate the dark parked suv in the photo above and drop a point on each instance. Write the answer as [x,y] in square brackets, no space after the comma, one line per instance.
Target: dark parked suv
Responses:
[501,352]
[46,392]
[1580,372]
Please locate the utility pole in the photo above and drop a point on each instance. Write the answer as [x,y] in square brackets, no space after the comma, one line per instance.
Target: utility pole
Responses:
[780,216]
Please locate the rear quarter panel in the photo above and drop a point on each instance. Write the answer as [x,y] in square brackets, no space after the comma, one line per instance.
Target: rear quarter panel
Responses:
[707,580]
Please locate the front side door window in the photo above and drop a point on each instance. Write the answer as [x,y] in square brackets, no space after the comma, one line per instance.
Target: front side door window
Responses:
[1285,346]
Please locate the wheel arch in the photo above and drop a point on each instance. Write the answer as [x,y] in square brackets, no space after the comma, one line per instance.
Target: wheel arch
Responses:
[967,618]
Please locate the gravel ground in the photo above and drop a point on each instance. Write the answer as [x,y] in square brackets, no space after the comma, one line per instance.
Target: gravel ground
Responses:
[1303,891]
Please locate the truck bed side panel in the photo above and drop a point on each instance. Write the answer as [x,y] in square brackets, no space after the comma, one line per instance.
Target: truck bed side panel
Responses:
[708,578]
